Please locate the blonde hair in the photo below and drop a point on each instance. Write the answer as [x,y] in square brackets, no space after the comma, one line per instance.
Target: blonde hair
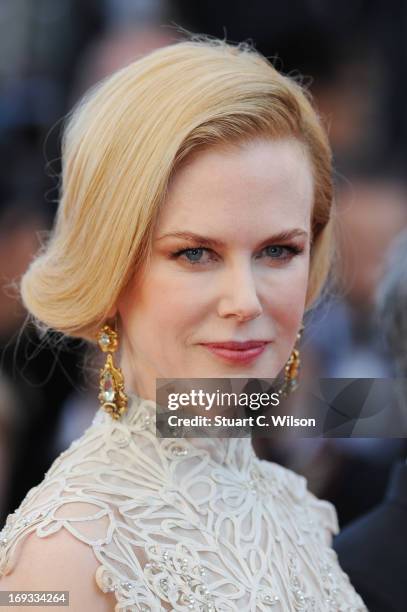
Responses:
[121,145]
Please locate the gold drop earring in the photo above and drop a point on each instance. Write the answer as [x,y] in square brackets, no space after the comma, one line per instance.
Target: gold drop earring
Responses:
[111,383]
[292,368]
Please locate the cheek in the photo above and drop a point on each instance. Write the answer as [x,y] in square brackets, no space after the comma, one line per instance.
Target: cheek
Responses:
[286,306]
[163,301]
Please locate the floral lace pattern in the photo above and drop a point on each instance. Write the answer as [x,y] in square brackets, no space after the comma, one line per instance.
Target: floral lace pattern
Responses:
[186,524]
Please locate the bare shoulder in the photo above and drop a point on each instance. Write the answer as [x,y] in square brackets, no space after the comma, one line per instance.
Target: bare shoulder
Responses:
[59,562]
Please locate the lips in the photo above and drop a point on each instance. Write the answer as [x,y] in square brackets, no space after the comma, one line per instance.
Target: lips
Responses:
[237,352]
[237,346]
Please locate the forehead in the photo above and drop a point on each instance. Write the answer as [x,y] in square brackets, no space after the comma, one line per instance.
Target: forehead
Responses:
[239,187]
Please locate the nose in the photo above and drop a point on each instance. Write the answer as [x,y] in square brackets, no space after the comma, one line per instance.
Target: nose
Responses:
[239,297]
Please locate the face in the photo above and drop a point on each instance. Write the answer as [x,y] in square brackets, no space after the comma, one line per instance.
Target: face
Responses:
[230,263]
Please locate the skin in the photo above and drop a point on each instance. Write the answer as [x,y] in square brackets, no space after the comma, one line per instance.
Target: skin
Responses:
[252,287]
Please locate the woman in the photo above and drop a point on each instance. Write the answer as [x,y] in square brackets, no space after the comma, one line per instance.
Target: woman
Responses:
[195,210]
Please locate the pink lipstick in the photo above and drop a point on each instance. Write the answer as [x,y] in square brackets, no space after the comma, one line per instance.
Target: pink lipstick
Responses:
[237,352]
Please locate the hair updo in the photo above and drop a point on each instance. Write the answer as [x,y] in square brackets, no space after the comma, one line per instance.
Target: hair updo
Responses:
[122,143]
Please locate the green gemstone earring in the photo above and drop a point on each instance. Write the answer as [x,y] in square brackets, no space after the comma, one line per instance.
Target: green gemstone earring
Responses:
[111,384]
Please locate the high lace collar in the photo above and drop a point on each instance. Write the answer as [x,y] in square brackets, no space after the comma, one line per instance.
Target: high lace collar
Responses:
[141,414]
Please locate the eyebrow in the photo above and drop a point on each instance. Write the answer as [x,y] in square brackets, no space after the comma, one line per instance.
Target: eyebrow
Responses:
[212,242]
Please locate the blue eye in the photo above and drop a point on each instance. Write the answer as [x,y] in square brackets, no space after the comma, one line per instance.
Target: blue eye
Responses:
[196,253]
[275,251]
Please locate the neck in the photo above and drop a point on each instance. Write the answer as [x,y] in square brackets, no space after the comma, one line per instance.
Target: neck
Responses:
[222,450]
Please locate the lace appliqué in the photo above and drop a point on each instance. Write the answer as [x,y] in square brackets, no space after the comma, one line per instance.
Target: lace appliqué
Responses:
[177,526]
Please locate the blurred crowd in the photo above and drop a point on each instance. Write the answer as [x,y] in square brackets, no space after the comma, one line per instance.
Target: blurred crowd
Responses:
[352,56]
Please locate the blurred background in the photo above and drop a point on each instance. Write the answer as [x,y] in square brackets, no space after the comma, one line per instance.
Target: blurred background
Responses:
[353,57]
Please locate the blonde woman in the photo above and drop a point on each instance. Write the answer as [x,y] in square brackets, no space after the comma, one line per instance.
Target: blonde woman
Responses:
[196,210]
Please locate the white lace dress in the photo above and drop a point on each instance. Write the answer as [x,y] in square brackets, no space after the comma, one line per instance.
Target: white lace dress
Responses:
[187,523]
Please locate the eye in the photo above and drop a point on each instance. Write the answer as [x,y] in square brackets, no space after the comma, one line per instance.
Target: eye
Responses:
[193,255]
[276,252]
[282,252]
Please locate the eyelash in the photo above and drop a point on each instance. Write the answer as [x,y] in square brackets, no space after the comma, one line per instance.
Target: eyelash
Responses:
[292,249]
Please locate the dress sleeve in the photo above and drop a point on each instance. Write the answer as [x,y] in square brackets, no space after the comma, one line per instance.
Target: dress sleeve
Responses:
[72,496]
[326,516]
[320,513]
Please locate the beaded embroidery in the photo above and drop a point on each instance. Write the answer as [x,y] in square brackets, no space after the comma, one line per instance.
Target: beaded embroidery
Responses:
[199,525]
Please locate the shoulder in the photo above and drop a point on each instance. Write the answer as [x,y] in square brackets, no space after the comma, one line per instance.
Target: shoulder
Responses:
[66,526]
[319,513]
[65,507]
[59,562]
